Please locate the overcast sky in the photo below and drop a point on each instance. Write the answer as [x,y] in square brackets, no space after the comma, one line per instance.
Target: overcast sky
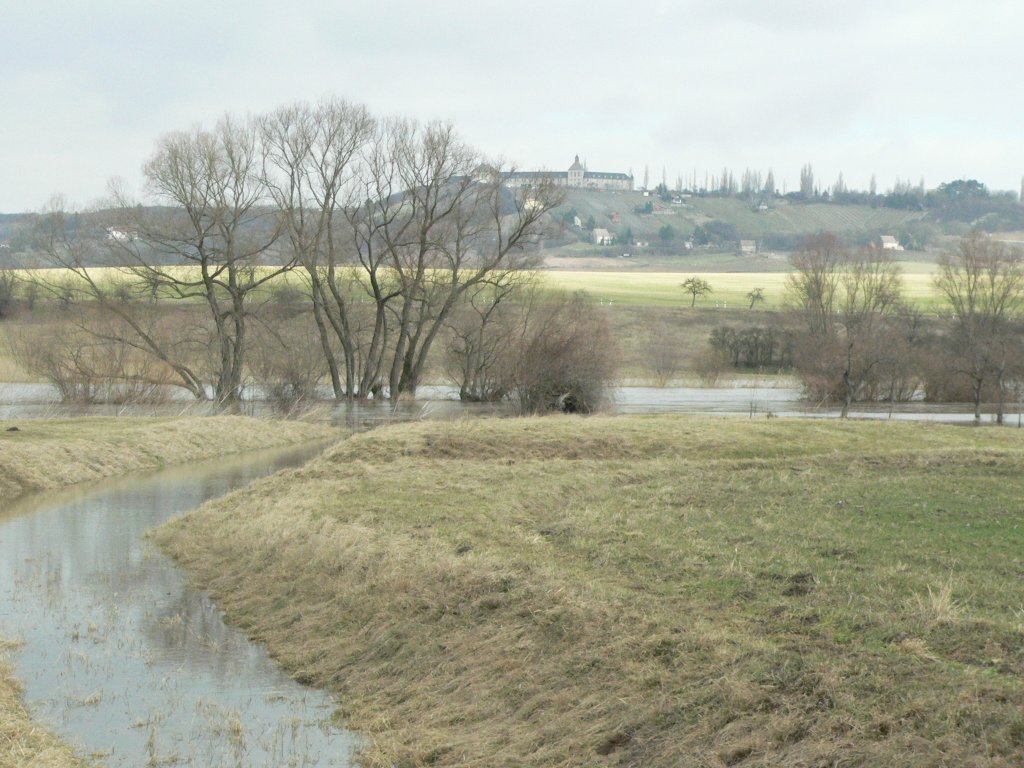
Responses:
[902,89]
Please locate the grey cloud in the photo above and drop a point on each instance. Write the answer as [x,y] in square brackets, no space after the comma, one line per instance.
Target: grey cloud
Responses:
[688,82]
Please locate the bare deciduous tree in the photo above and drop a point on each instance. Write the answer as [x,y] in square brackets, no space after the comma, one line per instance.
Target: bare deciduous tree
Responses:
[87,360]
[212,219]
[845,305]
[215,220]
[697,287]
[286,358]
[481,339]
[437,223]
[396,225]
[755,296]
[65,243]
[545,351]
[807,181]
[664,352]
[8,283]
[983,281]
[813,281]
[312,157]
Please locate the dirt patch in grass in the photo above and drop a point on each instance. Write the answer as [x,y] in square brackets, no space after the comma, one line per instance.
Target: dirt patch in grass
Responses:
[643,591]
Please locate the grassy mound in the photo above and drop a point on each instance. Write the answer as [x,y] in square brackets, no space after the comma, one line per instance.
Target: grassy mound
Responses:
[45,454]
[655,591]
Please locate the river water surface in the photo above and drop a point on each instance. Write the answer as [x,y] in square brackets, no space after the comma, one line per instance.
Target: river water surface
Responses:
[123,659]
[755,397]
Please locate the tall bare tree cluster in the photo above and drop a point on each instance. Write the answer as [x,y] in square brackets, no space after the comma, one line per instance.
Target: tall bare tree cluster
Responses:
[858,339]
[847,309]
[389,227]
[983,282]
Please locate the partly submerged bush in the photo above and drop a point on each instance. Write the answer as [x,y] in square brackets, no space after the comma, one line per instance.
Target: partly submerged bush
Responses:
[566,360]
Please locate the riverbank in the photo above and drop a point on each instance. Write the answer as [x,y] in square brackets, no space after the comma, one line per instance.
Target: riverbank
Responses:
[51,454]
[22,743]
[45,454]
[642,591]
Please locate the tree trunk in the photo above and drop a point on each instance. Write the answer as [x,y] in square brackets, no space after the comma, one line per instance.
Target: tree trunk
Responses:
[325,339]
[1002,398]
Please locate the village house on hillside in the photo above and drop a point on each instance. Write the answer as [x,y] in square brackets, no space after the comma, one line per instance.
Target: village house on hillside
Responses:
[602,237]
[890,243]
[577,177]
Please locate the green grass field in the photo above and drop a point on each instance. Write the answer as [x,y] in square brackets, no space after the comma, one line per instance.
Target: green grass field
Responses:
[661,591]
[661,289]
[634,288]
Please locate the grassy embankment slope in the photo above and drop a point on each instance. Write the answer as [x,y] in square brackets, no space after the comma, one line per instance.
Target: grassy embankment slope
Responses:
[46,454]
[643,591]
[52,454]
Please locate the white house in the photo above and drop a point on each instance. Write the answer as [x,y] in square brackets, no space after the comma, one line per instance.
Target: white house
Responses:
[603,236]
[890,243]
[748,247]
[120,234]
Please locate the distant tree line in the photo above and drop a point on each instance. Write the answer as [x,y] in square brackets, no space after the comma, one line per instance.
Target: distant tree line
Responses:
[963,201]
[850,335]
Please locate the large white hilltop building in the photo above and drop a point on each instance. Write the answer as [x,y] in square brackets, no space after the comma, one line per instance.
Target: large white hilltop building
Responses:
[577,177]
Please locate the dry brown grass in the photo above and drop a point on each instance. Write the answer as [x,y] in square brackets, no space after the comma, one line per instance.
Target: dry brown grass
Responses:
[10,370]
[47,454]
[634,591]
[22,743]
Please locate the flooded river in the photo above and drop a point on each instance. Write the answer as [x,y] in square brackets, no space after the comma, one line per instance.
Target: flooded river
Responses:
[743,398]
[125,661]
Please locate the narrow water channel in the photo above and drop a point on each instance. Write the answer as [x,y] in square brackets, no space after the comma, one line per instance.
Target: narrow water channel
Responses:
[125,661]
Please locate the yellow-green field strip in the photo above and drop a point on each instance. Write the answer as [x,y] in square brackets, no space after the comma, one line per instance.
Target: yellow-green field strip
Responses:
[728,288]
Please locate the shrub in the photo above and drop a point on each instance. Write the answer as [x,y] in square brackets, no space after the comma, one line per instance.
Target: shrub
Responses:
[86,367]
[7,284]
[566,359]
[287,360]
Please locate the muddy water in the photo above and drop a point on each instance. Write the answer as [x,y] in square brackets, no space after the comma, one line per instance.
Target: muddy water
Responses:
[123,659]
